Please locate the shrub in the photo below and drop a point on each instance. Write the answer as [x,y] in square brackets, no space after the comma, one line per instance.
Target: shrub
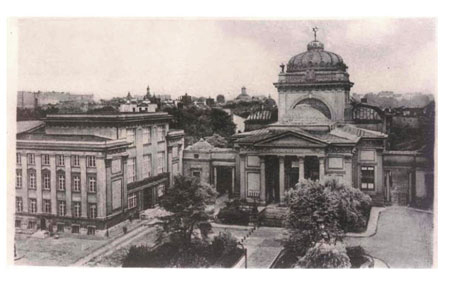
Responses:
[356,255]
[225,249]
[325,255]
[232,213]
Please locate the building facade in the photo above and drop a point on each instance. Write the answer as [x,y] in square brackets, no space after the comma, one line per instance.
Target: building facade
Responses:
[149,152]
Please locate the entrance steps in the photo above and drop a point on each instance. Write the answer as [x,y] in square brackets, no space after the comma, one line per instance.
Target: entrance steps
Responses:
[273,215]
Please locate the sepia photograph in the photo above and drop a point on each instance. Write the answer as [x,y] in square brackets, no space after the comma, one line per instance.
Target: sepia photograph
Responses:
[222,142]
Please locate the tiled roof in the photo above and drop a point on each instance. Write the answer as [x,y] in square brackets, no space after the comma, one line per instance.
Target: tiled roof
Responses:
[346,134]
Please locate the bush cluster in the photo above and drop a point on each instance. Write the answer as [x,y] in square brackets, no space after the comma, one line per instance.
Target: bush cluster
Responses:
[223,251]
[233,213]
[318,217]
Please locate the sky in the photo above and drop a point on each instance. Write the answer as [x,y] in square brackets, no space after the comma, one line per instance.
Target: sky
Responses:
[110,57]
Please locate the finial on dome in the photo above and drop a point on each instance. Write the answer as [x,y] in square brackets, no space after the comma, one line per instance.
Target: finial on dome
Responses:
[315,29]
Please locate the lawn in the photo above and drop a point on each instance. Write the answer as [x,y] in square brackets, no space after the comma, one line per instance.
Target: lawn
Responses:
[54,252]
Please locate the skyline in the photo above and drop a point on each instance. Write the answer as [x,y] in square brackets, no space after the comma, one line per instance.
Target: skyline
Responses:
[211,57]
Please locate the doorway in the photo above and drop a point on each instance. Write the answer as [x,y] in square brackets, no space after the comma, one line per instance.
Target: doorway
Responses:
[312,168]
[272,179]
[224,180]
[291,172]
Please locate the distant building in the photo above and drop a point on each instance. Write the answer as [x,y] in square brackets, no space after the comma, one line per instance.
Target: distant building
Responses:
[186,99]
[133,106]
[35,99]
[220,99]
[243,96]
[84,173]
[260,119]
[210,102]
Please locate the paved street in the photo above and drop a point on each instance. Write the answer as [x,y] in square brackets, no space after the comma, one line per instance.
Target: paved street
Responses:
[404,238]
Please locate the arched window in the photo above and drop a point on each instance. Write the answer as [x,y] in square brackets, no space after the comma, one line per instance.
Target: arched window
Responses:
[317,104]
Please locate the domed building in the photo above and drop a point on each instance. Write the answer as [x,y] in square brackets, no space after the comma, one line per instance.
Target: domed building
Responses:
[243,96]
[315,136]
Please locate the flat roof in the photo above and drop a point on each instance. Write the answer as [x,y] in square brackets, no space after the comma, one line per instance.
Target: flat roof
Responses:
[108,117]
[61,137]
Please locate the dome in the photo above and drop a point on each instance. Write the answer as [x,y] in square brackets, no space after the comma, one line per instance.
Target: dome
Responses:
[315,57]
[305,114]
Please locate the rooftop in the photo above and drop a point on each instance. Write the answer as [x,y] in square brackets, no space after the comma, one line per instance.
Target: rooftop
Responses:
[29,125]
[61,137]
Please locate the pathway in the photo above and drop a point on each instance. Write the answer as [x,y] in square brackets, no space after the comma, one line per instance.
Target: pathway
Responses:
[263,246]
[404,238]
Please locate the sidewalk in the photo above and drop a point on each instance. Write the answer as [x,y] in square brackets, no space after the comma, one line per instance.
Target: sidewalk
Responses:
[263,247]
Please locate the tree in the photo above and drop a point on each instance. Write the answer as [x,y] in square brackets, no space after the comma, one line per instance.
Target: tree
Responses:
[320,214]
[187,200]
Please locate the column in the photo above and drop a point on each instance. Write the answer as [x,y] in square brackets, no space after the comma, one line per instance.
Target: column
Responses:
[215,177]
[301,168]
[67,169]
[281,160]
[242,176]
[321,169]
[262,195]
[232,180]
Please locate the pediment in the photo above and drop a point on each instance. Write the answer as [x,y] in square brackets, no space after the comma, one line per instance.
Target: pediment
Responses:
[291,140]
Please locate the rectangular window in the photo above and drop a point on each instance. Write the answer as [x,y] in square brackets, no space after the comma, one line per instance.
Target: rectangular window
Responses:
[146,135]
[161,133]
[92,184]
[196,174]
[32,180]
[46,159]
[19,178]
[367,178]
[61,181]
[61,208]
[77,209]
[132,200]
[31,224]
[147,166]
[91,231]
[90,161]
[161,163]
[174,151]
[131,170]
[19,204]
[18,223]
[131,136]
[76,183]
[75,161]
[92,211]
[18,159]
[46,180]
[30,158]
[75,229]
[60,228]
[33,205]
[47,206]
[60,160]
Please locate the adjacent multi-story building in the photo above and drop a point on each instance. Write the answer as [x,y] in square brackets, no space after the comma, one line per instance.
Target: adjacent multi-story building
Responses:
[87,172]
